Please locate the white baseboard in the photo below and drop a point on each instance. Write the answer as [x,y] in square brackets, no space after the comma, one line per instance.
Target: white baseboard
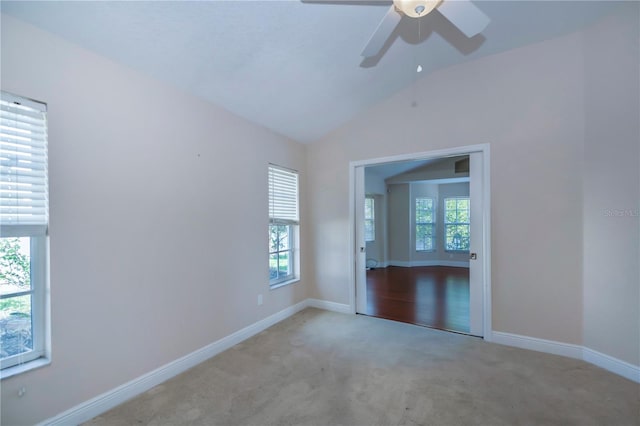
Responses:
[452,263]
[535,344]
[329,306]
[619,367]
[102,403]
[609,363]
[400,263]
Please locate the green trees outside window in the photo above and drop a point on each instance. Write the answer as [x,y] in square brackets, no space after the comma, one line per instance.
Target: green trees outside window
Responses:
[456,224]
[425,224]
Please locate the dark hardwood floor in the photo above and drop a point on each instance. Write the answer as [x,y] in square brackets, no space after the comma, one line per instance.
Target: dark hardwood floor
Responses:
[434,296]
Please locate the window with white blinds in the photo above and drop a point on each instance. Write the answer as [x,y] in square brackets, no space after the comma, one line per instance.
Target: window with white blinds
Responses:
[23,163]
[23,234]
[283,196]
[284,262]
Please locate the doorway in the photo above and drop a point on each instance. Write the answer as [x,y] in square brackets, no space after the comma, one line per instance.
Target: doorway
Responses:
[432,266]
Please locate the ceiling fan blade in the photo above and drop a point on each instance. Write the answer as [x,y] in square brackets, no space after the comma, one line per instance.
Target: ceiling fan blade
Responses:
[464,15]
[382,33]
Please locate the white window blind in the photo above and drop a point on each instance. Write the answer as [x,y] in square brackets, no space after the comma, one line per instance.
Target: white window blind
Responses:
[283,196]
[23,164]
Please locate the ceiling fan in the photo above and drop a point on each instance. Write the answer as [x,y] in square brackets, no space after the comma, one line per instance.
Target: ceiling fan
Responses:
[461,13]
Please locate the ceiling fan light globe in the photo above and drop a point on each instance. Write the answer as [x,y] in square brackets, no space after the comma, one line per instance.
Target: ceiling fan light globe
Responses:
[416,8]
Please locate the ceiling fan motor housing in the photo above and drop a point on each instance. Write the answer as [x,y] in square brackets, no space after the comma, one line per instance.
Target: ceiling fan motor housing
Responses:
[416,8]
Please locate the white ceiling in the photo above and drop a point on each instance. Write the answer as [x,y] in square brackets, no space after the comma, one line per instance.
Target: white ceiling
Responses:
[292,66]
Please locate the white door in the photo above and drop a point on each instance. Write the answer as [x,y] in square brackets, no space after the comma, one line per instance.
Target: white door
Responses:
[361,252]
[476,252]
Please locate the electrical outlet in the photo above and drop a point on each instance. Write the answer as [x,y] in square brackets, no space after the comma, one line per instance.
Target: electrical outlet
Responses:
[259,300]
[22,391]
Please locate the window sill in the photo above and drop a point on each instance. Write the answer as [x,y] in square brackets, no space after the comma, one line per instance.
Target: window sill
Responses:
[284,283]
[23,368]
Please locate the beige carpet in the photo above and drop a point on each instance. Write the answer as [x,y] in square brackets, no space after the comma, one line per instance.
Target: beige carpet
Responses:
[323,368]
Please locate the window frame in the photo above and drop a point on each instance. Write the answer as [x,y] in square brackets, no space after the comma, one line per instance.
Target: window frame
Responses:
[37,233]
[290,250]
[38,262]
[456,224]
[372,220]
[427,225]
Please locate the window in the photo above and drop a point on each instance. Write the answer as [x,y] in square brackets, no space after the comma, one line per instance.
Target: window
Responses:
[23,229]
[425,224]
[369,219]
[283,225]
[456,224]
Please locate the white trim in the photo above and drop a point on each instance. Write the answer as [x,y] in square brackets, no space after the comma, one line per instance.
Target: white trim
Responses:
[607,362]
[23,368]
[448,152]
[284,283]
[414,263]
[329,306]
[540,345]
[614,365]
[380,265]
[486,249]
[419,156]
[352,240]
[399,263]
[31,103]
[104,402]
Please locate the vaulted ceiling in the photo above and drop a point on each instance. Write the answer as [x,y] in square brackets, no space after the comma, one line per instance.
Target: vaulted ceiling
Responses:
[292,66]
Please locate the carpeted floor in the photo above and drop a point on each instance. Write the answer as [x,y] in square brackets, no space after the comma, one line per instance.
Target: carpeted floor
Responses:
[324,368]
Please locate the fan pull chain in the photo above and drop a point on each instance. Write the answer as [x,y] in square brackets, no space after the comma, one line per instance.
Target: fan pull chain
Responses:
[419,68]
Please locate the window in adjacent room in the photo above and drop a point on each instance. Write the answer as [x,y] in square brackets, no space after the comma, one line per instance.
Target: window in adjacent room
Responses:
[369,219]
[456,224]
[23,230]
[283,226]
[425,224]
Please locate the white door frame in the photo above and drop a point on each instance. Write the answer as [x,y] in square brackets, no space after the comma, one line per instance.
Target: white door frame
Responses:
[486,218]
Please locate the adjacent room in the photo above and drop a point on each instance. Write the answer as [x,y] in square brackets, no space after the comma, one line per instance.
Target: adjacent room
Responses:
[418,240]
[319,212]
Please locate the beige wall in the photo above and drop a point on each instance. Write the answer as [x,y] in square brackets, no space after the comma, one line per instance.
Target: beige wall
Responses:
[158,221]
[398,222]
[528,104]
[612,186]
